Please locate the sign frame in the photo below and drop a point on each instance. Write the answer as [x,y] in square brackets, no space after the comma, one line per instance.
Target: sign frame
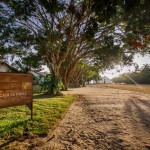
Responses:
[16,89]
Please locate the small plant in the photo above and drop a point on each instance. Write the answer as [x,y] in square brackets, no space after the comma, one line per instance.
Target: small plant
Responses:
[52,85]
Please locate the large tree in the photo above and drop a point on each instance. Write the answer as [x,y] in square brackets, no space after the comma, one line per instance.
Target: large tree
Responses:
[63,32]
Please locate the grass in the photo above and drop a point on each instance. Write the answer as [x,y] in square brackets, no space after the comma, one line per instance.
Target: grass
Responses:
[36,89]
[130,87]
[15,121]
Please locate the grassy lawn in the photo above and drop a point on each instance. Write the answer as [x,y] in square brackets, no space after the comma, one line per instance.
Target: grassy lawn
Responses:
[15,121]
[132,87]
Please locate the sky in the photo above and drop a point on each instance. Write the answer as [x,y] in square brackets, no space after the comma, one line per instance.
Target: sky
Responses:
[119,70]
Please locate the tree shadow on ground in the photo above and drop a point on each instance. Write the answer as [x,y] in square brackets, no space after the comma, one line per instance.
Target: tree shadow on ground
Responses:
[20,138]
[41,96]
[7,143]
[11,126]
[139,109]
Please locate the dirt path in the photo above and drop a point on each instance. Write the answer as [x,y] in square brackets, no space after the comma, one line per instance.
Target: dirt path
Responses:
[103,119]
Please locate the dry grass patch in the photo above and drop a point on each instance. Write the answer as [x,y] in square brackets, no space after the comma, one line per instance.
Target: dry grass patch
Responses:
[137,88]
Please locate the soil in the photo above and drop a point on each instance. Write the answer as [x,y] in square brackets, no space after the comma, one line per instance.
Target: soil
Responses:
[101,119]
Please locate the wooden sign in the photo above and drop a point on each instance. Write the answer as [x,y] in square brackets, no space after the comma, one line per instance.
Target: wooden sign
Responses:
[15,90]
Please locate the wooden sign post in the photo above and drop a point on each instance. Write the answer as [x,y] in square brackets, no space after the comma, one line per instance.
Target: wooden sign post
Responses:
[15,90]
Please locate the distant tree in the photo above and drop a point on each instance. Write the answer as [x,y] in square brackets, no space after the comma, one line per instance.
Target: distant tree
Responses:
[140,77]
[96,77]
[92,73]
[84,72]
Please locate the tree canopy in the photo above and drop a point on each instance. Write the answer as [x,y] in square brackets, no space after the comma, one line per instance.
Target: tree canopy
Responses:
[64,32]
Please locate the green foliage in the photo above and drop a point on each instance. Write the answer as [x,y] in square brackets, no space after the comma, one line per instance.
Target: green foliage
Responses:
[140,77]
[52,6]
[92,73]
[22,9]
[45,84]
[105,10]
[85,72]
[51,84]
[55,85]
[27,63]
[110,53]
[14,39]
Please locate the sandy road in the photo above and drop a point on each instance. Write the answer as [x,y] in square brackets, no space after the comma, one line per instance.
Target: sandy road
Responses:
[103,119]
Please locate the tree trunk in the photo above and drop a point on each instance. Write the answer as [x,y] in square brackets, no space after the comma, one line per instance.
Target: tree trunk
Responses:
[77,83]
[65,83]
[54,88]
[66,76]
[83,84]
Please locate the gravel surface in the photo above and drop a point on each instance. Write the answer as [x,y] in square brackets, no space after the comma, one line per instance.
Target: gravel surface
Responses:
[103,119]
